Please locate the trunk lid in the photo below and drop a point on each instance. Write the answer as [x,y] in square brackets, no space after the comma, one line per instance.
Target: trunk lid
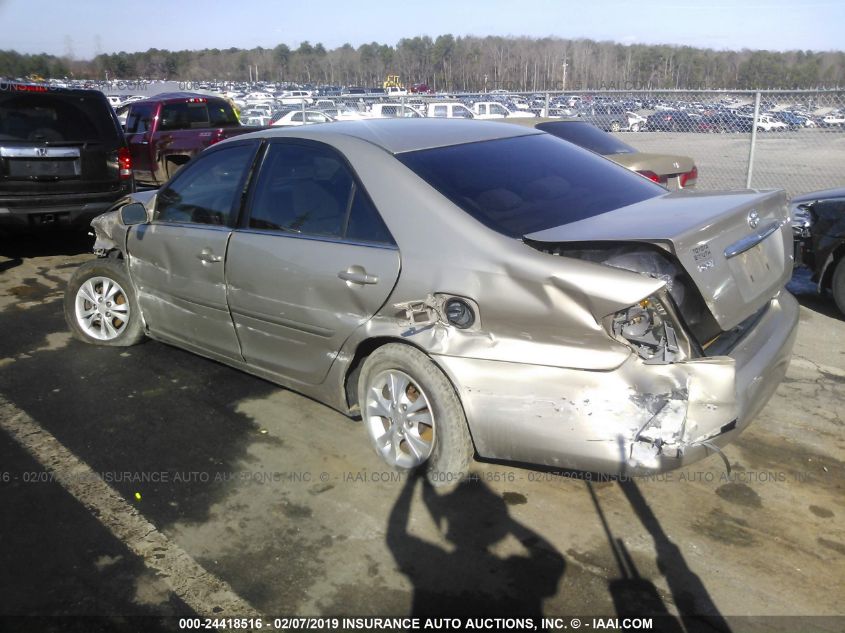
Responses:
[735,246]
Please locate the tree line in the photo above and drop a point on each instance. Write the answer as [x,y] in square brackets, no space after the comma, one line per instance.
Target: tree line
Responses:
[469,63]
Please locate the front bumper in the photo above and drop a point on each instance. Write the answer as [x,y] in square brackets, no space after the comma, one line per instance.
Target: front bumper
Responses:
[636,419]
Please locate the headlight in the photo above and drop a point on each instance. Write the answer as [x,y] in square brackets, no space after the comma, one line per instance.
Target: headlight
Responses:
[652,328]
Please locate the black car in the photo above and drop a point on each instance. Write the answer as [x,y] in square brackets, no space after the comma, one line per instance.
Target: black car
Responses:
[607,117]
[671,121]
[63,157]
[725,122]
[818,225]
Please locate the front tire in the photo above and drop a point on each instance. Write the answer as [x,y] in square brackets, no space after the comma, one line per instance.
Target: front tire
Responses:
[100,305]
[837,285]
[615,126]
[412,414]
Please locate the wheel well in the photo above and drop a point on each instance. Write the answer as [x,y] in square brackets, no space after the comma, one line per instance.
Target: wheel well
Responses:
[354,370]
[826,281]
[178,159]
[174,163]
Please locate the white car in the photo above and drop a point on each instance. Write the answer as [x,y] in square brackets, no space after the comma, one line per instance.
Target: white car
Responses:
[834,119]
[295,97]
[340,112]
[495,110]
[449,110]
[295,117]
[394,111]
[636,122]
[767,123]
[258,97]
[257,120]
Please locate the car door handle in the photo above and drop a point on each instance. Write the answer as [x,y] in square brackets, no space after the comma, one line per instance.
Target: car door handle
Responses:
[357,275]
[207,257]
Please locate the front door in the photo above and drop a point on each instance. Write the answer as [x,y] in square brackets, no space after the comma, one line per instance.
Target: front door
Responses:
[177,261]
[312,262]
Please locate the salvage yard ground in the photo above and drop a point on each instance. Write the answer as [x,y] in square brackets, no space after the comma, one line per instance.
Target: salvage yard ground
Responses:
[282,502]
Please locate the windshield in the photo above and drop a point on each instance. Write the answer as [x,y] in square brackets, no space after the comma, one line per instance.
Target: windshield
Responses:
[529,183]
[587,135]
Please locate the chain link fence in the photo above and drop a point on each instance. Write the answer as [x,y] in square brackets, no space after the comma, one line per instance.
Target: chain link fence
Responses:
[793,140]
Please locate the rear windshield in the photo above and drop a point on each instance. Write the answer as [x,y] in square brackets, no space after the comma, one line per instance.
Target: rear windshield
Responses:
[528,183]
[56,118]
[186,115]
[587,135]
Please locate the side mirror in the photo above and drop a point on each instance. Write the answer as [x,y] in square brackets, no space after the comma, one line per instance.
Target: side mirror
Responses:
[133,213]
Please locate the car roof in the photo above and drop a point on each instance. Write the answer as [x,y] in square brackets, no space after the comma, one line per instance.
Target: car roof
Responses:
[404,135]
[825,194]
[27,88]
[180,96]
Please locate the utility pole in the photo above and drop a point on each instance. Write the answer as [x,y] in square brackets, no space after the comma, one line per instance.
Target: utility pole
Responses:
[563,87]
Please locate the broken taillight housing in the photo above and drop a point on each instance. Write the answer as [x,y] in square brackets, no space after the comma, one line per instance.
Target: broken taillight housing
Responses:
[651,327]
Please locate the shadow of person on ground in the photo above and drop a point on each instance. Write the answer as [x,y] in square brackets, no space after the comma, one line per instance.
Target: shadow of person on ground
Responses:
[696,608]
[471,581]
[633,596]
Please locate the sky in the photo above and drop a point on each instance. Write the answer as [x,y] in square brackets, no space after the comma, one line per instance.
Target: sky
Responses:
[84,28]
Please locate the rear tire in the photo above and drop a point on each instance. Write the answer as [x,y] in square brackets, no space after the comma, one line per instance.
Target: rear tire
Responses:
[837,285]
[100,305]
[413,415]
[614,126]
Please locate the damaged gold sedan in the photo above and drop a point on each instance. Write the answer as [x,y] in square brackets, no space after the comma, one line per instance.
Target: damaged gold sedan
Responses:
[465,287]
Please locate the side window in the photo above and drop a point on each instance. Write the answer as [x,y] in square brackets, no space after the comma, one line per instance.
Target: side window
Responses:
[183,116]
[440,110]
[310,191]
[138,119]
[365,223]
[207,189]
[301,190]
[174,116]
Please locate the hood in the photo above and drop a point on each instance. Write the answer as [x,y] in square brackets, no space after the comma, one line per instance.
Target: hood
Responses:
[735,246]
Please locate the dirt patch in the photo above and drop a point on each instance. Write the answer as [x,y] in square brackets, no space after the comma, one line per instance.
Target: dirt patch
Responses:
[823,513]
[724,528]
[740,494]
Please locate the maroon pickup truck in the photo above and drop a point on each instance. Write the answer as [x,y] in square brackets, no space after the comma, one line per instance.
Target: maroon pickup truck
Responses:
[165,131]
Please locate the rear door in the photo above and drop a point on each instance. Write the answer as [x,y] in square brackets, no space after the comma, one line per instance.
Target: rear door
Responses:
[139,124]
[312,261]
[177,261]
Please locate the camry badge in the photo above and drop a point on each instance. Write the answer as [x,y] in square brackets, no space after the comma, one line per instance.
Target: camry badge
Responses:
[753,219]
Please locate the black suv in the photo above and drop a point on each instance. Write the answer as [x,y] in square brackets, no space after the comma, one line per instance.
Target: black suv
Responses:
[63,157]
